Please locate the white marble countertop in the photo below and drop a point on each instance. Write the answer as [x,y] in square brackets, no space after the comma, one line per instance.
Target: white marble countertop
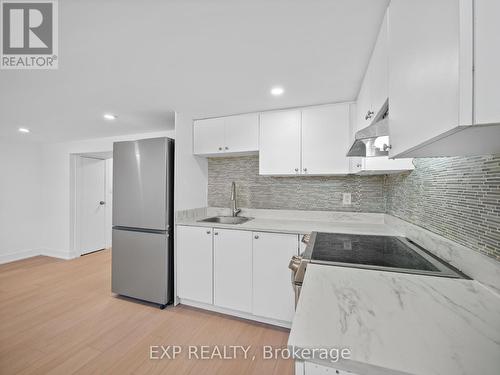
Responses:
[414,324]
[283,221]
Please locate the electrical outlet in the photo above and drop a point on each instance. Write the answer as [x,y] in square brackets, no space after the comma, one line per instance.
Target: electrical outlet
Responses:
[347,245]
[346,199]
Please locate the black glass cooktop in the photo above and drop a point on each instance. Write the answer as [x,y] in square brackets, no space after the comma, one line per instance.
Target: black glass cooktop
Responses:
[376,252]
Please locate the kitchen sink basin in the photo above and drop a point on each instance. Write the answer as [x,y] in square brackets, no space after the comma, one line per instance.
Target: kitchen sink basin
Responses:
[227,219]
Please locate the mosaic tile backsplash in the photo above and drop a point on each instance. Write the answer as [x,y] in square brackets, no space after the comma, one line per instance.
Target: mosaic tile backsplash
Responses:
[295,193]
[458,198]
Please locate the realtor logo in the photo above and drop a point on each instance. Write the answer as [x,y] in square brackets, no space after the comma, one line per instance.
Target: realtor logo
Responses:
[29,34]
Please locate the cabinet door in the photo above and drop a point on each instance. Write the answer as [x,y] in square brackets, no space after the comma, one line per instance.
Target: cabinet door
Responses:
[242,133]
[279,143]
[487,61]
[424,71]
[208,136]
[273,295]
[363,105]
[379,73]
[233,269]
[356,164]
[325,139]
[194,263]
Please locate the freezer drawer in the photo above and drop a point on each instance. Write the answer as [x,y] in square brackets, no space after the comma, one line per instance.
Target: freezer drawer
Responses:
[140,266]
[140,183]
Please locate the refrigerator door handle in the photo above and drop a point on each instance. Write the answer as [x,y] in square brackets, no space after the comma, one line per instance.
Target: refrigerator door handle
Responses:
[141,230]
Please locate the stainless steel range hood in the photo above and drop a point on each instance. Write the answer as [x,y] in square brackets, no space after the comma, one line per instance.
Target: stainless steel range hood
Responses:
[374,139]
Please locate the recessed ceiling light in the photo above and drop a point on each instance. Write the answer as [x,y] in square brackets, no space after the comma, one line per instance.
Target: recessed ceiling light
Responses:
[110,116]
[23,130]
[277,91]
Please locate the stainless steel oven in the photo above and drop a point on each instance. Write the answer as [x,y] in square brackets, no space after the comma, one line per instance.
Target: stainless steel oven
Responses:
[298,265]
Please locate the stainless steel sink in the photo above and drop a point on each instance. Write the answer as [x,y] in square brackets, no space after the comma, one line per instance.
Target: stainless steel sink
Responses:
[227,219]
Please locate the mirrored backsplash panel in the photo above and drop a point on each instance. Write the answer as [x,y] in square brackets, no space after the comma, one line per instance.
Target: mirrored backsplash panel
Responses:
[457,198]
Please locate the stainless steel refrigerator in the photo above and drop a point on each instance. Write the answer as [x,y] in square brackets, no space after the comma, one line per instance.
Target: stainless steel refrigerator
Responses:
[143,199]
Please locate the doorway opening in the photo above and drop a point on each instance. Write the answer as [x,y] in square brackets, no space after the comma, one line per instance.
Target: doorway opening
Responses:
[92,209]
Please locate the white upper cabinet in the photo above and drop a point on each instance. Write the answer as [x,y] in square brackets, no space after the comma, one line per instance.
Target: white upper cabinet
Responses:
[424,79]
[487,61]
[377,165]
[279,143]
[227,135]
[242,133]
[364,112]
[208,136]
[325,139]
[307,141]
[379,70]
[432,88]
[374,89]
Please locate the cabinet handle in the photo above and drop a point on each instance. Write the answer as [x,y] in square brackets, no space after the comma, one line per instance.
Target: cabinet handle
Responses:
[305,169]
[208,232]
[216,233]
[220,148]
[226,148]
[296,169]
[358,165]
[256,237]
[369,114]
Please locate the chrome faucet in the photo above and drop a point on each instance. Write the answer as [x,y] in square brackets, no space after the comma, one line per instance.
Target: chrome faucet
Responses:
[234,211]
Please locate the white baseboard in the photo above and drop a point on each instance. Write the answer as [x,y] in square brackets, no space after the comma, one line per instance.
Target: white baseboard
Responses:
[239,314]
[24,254]
[18,255]
[61,254]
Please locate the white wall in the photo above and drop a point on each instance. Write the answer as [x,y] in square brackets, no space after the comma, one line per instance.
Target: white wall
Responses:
[20,195]
[37,181]
[58,185]
[191,172]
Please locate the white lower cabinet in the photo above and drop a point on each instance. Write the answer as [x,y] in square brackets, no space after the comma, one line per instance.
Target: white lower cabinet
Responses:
[233,269]
[194,263]
[241,271]
[272,290]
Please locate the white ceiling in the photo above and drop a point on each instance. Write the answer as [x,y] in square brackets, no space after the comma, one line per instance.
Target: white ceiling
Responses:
[145,59]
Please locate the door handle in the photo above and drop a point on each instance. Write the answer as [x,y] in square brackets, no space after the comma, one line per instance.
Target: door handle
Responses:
[102,203]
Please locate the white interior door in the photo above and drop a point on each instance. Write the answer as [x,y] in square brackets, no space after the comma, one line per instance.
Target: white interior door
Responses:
[92,212]
[109,201]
